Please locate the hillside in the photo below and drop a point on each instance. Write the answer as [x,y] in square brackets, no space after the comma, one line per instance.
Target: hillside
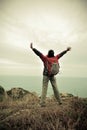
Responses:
[26,114]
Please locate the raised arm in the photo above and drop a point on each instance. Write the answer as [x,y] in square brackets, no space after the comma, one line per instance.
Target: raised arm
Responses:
[64,52]
[38,53]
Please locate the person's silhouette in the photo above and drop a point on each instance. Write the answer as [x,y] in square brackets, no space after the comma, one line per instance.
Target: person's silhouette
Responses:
[46,77]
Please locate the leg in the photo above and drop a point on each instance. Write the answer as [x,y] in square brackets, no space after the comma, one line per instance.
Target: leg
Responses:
[55,89]
[44,89]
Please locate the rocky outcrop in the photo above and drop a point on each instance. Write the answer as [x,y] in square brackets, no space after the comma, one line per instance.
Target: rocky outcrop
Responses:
[2,93]
[17,93]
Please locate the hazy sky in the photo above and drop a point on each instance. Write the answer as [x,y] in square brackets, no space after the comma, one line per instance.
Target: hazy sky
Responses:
[49,24]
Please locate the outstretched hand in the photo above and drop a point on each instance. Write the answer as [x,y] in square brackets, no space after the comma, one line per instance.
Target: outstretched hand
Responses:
[68,48]
[31,45]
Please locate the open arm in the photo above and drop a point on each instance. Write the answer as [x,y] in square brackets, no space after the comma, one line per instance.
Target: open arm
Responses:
[38,53]
[64,52]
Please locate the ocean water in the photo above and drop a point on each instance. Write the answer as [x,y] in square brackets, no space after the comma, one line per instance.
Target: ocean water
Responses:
[74,85]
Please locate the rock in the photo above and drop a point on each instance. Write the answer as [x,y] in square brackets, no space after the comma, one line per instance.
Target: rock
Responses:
[64,95]
[2,93]
[17,93]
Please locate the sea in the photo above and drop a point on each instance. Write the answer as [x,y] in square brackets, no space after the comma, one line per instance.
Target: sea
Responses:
[73,85]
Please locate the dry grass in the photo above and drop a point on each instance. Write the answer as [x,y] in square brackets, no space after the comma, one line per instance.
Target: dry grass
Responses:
[26,114]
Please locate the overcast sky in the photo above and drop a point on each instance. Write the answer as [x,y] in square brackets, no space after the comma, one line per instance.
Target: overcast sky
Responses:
[49,24]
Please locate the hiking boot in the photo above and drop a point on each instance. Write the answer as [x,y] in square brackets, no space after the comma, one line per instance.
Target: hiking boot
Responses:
[42,104]
[60,103]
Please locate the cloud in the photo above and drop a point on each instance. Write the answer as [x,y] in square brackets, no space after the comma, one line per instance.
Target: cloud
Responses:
[51,24]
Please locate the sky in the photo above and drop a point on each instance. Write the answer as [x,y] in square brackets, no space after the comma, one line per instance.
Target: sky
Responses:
[48,24]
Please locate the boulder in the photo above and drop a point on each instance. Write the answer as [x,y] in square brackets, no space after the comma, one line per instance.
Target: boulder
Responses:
[2,93]
[17,93]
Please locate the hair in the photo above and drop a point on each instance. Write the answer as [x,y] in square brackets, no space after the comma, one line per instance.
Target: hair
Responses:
[50,53]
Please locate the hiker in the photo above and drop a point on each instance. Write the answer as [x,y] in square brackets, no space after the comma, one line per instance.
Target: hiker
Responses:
[48,60]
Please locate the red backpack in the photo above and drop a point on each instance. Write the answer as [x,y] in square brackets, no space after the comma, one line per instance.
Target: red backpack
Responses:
[52,65]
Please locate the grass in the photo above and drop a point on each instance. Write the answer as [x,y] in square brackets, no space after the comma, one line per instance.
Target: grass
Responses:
[26,114]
